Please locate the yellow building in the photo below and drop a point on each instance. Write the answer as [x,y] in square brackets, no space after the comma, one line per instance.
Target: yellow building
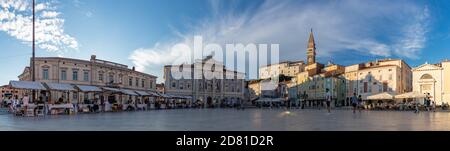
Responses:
[389,75]
[286,68]
[93,72]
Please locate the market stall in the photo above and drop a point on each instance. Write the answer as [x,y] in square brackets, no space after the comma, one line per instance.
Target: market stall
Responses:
[116,105]
[63,103]
[87,90]
[29,87]
[407,100]
[383,100]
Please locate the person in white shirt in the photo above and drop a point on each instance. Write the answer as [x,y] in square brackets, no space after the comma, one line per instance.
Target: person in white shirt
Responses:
[25,100]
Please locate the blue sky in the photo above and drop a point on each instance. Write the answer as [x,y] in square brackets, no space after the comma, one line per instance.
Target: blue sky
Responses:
[140,32]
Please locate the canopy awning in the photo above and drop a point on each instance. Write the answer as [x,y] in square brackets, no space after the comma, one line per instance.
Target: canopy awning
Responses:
[27,85]
[88,88]
[60,86]
[163,95]
[128,92]
[112,89]
[269,100]
[142,93]
[174,96]
[381,96]
[153,93]
[410,95]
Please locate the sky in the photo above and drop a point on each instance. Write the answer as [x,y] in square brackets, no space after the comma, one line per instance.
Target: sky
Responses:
[141,33]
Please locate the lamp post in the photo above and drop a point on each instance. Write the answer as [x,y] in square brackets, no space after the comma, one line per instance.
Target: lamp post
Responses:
[33,78]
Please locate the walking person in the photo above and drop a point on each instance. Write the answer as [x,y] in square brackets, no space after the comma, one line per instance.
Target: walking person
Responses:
[354,100]
[433,106]
[416,106]
[360,103]
[328,100]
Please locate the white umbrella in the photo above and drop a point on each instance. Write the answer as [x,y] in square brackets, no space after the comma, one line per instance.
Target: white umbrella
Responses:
[381,96]
[410,95]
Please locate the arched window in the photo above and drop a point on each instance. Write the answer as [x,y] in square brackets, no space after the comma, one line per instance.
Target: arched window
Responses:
[426,76]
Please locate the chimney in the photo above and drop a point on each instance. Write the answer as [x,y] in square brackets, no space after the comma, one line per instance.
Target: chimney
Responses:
[133,68]
[93,57]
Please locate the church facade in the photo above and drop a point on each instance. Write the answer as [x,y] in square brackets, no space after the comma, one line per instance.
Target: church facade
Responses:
[433,79]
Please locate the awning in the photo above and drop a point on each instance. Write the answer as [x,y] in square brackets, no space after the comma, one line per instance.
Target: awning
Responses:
[178,96]
[381,96]
[269,100]
[128,92]
[142,93]
[153,93]
[27,85]
[112,89]
[88,88]
[60,87]
[163,95]
[410,95]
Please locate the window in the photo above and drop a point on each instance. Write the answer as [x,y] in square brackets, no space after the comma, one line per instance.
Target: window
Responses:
[86,76]
[120,78]
[45,74]
[130,81]
[75,75]
[426,76]
[390,76]
[385,87]
[181,86]
[111,78]
[151,84]
[143,83]
[63,75]
[365,87]
[100,77]
[174,84]
[137,82]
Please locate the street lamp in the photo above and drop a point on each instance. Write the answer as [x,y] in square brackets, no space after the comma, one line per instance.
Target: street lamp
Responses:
[33,78]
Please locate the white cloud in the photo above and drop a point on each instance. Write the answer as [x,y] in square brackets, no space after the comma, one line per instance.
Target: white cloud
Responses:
[50,14]
[378,28]
[414,36]
[16,21]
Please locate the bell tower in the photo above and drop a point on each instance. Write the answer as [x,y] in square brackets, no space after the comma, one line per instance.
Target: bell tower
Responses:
[311,49]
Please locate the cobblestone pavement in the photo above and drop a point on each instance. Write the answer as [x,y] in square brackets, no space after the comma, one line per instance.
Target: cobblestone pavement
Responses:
[232,119]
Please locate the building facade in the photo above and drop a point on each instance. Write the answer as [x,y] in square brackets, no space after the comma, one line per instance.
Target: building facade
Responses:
[94,72]
[393,76]
[207,91]
[286,68]
[433,79]
[6,92]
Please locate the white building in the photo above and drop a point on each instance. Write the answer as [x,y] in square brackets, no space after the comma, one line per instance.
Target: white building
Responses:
[433,79]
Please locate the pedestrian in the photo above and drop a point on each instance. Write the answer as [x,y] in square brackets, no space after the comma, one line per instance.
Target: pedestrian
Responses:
[433,106]
[328,100]
[354,100]
[428,101]
[360,103]
[417,108]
